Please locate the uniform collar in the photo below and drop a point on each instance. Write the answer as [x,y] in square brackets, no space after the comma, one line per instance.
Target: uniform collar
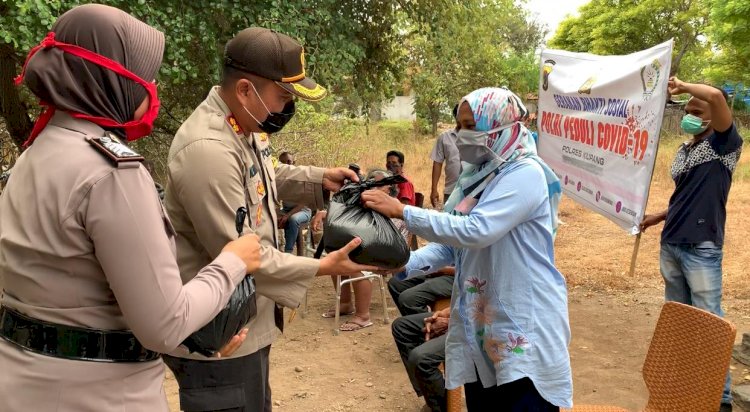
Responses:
[215,100]
[66,121]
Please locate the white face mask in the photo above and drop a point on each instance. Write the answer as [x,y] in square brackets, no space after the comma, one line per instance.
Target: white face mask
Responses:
[473,145]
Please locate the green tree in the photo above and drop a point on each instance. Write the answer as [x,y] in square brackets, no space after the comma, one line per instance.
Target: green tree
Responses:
[477,44]
[353,46]
[730,31]
[626,26]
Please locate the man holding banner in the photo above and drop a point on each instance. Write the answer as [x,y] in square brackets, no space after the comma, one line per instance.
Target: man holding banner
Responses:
[693,235]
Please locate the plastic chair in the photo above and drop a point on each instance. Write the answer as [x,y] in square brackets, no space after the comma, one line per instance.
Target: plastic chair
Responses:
[454,397]
[366,276]
[345,283]
[687,361]
[310,250]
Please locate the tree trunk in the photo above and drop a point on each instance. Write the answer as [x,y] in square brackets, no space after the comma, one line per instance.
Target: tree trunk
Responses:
[434,117]
[12,109]
[677,60]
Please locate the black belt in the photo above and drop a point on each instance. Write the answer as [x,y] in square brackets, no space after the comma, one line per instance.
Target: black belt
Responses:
[70,342]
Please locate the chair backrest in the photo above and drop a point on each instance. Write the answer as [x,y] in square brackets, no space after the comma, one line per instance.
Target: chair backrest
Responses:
[419,200]
[687,360]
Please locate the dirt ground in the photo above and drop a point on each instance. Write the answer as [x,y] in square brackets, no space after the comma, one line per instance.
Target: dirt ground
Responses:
[612,316]
[361,371]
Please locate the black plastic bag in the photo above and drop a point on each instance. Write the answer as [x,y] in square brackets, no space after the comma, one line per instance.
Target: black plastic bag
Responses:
[382,243]
[240,309]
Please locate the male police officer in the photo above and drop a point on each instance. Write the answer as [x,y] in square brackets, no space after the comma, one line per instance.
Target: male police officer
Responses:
[220,160]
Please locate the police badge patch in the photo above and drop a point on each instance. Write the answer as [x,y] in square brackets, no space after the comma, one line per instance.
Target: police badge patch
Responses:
[114,149]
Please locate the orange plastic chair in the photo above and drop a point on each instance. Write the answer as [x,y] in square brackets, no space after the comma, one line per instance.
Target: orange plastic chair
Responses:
[454,398]
[686,363]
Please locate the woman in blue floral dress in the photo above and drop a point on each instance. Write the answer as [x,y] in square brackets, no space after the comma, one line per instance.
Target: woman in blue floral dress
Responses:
[509,333]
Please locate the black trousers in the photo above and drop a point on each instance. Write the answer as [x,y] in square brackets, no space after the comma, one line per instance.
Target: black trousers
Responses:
[230,385]
[413,295]
[421,359]
[516,396]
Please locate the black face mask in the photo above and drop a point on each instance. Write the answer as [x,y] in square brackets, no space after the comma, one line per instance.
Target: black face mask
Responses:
[277,120]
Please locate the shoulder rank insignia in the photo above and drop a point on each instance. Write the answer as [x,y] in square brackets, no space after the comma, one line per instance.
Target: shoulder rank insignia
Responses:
[235,125]
[114,149]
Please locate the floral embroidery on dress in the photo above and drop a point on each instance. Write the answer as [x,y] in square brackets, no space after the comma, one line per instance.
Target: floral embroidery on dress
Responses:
[482,312]
[516,344]
[474,285]
[494,348]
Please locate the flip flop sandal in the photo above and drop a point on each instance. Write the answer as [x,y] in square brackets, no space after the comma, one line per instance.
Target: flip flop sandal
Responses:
[352,326]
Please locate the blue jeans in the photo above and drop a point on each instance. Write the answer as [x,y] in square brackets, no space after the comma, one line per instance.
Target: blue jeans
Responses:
[692,275]
[292,226]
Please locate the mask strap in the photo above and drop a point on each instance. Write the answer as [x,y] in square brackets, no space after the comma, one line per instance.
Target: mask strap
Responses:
[259,98]
[251,115]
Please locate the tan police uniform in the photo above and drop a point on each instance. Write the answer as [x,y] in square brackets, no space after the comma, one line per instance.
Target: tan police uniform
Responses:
[214,168]
[84,242]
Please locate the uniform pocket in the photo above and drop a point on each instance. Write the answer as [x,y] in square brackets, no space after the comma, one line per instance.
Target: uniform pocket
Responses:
[254,189]
[215,398]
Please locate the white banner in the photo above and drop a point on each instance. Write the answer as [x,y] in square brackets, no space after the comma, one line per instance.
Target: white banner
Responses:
[599,119]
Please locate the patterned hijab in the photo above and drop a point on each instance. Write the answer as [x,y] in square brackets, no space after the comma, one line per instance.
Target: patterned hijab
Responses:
[492,108]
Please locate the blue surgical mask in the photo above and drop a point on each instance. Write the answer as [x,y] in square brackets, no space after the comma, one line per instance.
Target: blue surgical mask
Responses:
[694,125]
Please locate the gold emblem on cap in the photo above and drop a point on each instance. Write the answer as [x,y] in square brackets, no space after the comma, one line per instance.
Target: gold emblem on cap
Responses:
[317,93]
[299,76]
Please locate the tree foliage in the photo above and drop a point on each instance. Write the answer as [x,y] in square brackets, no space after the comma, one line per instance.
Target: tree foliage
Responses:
[730,30]
[352,46]
[626,26]
[476,44]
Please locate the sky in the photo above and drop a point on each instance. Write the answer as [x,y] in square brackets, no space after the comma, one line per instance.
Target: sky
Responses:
[552,12]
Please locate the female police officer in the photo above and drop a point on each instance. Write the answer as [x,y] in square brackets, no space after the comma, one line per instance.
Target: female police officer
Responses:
[92,292]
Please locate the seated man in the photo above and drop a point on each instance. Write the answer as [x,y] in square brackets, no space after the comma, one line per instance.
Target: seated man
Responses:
[292,216]
[394,162]
[422,356]
[420,339]
[414,295]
